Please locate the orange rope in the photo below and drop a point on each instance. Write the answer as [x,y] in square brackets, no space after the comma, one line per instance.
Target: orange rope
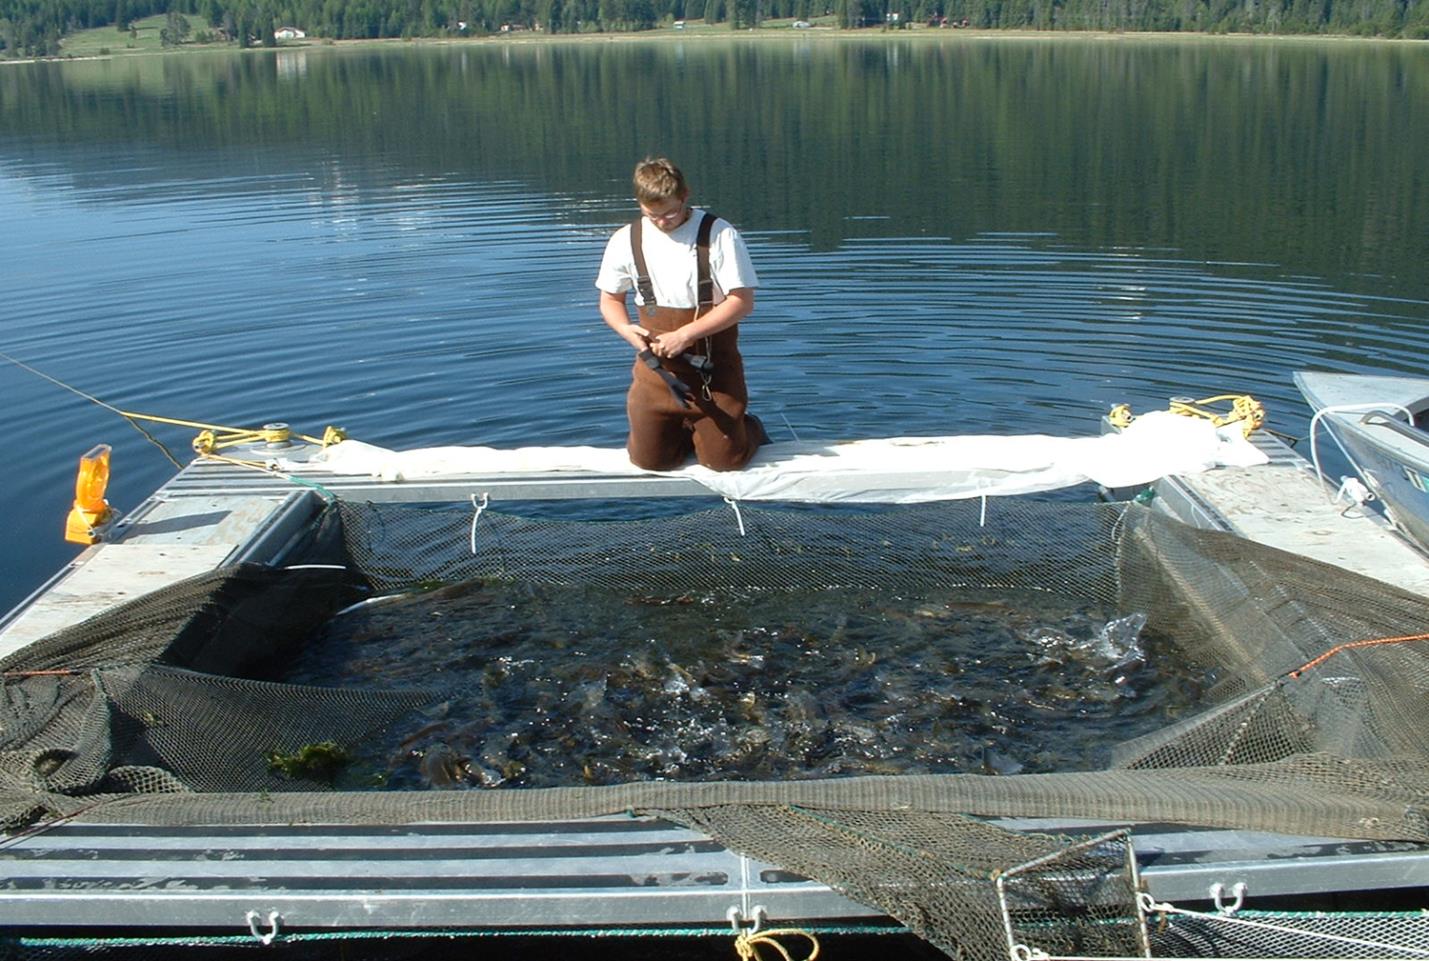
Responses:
[1373,642]
[58,672]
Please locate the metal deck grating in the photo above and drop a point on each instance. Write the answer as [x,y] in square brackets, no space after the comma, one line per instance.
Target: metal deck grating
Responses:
[602,872]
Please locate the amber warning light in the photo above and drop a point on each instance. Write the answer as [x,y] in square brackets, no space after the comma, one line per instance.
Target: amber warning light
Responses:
[91,511]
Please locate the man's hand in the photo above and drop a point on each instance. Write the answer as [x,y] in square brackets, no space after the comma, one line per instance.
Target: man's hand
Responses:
[613,311]
[636,336]
[671,343]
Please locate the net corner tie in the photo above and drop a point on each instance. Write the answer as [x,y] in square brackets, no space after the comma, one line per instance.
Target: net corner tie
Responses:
[273,921]
[1237,893]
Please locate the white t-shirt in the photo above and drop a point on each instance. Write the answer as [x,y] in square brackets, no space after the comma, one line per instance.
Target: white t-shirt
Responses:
[670,257]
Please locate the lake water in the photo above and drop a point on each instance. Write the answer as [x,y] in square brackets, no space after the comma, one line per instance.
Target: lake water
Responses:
[954,234]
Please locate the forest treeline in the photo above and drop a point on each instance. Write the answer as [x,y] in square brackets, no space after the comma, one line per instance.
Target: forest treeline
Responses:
[30,28]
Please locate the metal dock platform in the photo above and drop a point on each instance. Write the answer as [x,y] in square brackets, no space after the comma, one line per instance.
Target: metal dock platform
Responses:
[602,873]
[1284,504]
[596,873]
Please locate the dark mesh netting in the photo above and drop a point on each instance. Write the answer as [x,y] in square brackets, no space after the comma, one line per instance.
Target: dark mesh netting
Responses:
[178,704]
[1057,550]
[1262,616]
[1254,934]
[930,869]
[162,694]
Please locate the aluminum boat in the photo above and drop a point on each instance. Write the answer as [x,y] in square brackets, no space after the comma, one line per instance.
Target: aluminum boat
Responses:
[1381,424]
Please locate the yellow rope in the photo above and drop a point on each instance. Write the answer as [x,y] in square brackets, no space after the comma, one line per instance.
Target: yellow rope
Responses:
[212,437]
[258,465]
[1120,416]
[264,468]
[1244,409]
[747,944]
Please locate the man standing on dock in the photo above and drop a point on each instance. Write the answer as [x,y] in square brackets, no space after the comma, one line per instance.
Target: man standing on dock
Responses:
[693,283]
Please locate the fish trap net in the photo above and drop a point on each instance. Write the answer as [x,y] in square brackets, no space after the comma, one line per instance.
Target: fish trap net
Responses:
[178,704]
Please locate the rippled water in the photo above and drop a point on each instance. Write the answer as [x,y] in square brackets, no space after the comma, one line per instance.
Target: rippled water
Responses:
[955,237]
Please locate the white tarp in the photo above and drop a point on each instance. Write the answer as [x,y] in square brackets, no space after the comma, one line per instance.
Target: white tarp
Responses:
[900,470]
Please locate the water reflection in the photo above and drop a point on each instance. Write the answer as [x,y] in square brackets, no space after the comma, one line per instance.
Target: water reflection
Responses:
[1299,153]
[291,64]
[952,237]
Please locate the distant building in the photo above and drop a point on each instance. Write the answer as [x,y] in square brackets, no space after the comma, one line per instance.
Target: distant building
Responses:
[288,33]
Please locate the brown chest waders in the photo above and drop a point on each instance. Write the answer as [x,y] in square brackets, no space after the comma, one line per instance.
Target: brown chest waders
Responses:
[709,420]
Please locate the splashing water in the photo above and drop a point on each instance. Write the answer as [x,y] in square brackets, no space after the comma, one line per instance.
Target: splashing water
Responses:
[544,686]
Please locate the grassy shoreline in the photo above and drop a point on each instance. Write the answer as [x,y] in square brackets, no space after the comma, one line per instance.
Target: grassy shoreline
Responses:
[107,42]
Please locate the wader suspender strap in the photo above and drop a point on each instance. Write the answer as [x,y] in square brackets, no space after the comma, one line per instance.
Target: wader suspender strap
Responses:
[642,273]
[704,290]
[704,282]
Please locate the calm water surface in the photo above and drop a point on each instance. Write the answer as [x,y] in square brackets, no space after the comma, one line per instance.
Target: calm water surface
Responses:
[954,235]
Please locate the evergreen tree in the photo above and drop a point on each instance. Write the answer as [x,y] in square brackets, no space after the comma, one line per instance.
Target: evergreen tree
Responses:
[34,27]
[176,29]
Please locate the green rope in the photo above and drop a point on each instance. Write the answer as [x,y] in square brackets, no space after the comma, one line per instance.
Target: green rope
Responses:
[1333,915]
[326,494]
[220,940]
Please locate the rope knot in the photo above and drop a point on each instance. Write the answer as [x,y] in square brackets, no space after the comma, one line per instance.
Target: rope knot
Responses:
[747,944]
[1244,409]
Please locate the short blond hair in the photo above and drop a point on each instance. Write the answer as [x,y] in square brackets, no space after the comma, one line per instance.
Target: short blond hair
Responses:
[657,179]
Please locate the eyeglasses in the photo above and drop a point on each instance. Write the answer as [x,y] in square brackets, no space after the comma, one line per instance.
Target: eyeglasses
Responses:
[663,217]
